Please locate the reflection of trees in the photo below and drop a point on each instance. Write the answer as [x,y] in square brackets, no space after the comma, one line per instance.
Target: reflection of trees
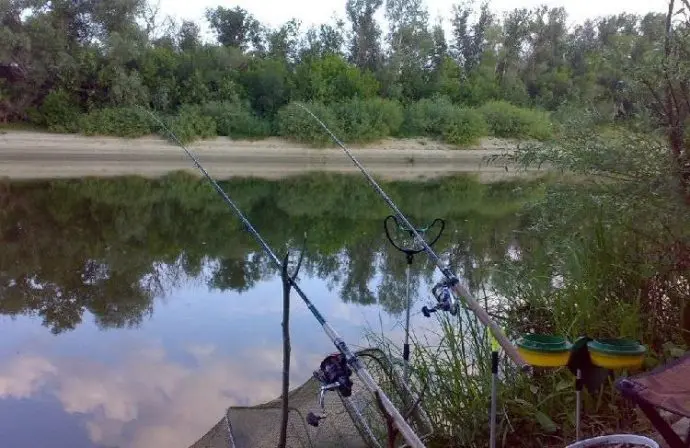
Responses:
[98,245]
[61,296]
[55,262]
[360,268]
[239,274]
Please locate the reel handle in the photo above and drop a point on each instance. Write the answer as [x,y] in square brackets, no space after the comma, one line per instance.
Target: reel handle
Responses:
[327,388]
[408,251]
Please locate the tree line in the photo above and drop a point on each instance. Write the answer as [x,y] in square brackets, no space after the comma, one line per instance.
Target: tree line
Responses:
[81,66]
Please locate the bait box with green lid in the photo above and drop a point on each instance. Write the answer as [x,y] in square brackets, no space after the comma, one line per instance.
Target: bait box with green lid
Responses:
[616,353]
[544,350]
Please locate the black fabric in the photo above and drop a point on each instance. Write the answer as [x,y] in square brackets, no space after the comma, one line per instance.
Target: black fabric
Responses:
[592,377]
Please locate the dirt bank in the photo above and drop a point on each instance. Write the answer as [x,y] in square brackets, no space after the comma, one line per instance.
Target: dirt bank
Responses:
[33,155]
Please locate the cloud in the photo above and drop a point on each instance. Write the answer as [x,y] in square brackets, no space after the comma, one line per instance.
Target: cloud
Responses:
[146,399]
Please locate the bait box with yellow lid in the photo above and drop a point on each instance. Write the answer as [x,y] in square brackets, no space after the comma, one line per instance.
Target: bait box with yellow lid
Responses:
[543,350]
[616,353]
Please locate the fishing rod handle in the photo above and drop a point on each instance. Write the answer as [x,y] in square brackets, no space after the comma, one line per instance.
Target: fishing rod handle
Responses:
[406,431]
[484,317]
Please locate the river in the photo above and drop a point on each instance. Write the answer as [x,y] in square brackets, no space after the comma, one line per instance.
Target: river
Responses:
[135,311]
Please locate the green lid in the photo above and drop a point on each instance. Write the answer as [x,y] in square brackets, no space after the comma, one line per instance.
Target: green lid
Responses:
[544,343]
[622,347]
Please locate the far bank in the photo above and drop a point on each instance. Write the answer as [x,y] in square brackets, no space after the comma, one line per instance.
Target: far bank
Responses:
[36,155]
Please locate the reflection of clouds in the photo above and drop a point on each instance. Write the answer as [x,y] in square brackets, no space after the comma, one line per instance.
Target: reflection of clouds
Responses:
[24,376]
[147,400]
[145,396]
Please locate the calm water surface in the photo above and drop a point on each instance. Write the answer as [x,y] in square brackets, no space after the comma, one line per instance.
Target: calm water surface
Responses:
[134,312]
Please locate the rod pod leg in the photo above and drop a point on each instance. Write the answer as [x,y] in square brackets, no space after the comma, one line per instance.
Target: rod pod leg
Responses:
[406,345]
[494,399]
[578,404]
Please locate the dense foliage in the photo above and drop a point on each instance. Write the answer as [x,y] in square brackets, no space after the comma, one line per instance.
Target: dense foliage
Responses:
[81,66]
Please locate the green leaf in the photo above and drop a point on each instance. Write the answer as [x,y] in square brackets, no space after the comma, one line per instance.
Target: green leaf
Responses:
[546,422]
[523,403]
[674,350]
[563,385]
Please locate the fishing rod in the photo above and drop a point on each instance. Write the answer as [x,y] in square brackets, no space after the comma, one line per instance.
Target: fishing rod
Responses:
[352,361]
[451,277]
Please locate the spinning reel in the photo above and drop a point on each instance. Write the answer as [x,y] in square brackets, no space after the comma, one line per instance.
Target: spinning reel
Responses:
[445,299]
[333,374]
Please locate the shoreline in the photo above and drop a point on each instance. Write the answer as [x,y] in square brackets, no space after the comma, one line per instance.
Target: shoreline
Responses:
[34,156]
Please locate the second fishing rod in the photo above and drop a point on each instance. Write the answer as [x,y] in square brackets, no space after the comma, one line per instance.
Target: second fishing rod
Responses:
[370,384]
[452,278]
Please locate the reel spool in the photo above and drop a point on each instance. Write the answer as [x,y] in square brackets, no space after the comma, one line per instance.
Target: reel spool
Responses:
[333,374]
[445,300]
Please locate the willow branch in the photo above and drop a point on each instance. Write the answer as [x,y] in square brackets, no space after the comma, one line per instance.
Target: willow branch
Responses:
[661,106]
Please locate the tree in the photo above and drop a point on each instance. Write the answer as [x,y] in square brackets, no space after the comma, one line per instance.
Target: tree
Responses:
[515,34]
[283,43]
[470,42]
[665,80]
[189,36]
[412,47]
[235,27]
[365,49]
[325,40]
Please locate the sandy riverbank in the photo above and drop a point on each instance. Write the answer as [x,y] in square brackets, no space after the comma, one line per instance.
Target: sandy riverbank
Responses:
[34,155]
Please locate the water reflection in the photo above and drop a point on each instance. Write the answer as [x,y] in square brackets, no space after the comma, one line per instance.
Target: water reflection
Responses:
[166,383]
[161,312]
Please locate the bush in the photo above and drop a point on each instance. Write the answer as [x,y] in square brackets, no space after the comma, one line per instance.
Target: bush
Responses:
[268,84]
[440,118]
[330,79]
[295,123]
[370,119]
[424,117]
[236,120]
[59,111]
[128,122]
[463,126]
[506,120]
[190,123]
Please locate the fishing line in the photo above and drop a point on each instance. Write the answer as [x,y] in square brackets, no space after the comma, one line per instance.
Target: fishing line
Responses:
[355,364]
[452,278]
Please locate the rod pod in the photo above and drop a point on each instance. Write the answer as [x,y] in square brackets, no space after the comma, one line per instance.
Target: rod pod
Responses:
[409,256]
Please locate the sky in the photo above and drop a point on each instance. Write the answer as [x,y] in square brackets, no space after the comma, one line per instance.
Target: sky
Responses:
[275,12]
